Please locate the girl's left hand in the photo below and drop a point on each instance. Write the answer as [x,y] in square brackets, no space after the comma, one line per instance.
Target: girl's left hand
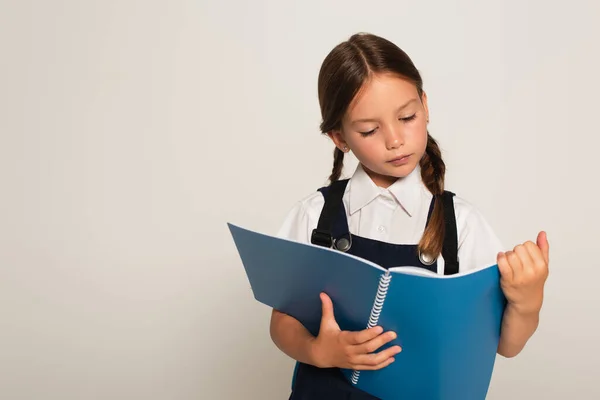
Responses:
[524,271]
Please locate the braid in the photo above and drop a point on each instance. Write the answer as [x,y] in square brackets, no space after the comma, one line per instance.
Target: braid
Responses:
[338,164]
[433,171]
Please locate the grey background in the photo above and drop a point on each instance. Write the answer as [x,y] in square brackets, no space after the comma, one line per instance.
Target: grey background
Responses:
[132,131]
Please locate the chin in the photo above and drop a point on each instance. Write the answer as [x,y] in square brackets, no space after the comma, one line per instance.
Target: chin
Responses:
[401,171]
[389,174]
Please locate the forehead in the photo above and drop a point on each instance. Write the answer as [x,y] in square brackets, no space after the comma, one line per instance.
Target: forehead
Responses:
[382,94]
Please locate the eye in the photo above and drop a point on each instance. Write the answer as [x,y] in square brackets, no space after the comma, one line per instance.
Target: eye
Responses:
[364,134]
[408,119]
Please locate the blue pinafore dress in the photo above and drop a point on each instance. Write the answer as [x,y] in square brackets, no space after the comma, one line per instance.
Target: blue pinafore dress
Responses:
[313,383]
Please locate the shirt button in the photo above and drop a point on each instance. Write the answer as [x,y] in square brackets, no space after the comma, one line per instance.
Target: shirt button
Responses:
[381,228]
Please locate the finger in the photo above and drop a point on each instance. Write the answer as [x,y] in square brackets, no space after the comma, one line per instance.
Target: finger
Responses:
[536,255]
[525,258]
[368,367]
[375,343]
[377,358]
[504,267]
[327,316]
[542,242]
[360,337]
[515,264]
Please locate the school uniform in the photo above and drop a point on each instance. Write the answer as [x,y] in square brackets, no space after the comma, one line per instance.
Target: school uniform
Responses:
[383,226]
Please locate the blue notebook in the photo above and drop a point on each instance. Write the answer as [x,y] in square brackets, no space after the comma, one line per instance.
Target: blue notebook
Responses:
[448,326]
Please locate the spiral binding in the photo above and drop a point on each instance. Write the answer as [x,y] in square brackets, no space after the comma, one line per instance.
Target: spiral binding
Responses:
[384,283]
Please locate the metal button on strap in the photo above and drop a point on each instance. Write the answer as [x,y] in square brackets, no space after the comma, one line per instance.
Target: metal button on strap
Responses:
[342,244]
[426,259]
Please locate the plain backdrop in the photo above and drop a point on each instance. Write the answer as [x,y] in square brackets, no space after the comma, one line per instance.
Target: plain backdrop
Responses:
[132,131]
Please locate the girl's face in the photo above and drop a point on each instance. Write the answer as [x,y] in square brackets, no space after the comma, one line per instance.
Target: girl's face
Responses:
[386,128]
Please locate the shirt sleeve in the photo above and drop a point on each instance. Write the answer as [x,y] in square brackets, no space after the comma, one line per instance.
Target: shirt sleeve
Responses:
[295,224]
[301,219]
[478,244]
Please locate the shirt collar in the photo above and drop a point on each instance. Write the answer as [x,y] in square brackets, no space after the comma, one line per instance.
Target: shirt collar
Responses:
[406,191]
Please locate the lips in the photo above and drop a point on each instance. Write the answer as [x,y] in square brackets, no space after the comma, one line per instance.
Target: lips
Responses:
[399,159]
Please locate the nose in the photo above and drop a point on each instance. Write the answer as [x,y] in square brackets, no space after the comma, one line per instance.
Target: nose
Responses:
[394,138]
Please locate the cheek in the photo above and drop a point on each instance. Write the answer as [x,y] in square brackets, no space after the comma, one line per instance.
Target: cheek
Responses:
[418,134]
[365,147]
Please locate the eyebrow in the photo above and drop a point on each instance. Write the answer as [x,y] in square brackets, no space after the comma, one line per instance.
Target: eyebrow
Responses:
[402,107]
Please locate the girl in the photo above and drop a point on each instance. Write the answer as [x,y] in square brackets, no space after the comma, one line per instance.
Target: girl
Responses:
[394,210]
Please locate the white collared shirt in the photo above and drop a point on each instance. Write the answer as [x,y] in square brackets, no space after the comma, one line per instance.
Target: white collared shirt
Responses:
[397,215]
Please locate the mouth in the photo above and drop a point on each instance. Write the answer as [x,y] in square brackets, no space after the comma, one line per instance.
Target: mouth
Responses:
[403,159]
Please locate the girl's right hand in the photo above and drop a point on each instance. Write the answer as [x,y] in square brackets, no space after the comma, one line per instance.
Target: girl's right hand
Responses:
[352,350]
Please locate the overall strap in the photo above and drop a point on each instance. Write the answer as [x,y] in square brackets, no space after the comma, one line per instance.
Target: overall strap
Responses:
[322,235]
[450,245]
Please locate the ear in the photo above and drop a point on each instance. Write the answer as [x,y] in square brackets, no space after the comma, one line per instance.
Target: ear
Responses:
[338,139]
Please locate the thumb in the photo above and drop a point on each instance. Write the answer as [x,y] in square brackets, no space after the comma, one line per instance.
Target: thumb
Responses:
[542,242]
[328,316]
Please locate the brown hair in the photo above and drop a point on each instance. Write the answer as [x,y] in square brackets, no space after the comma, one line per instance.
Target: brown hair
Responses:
[343,72]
